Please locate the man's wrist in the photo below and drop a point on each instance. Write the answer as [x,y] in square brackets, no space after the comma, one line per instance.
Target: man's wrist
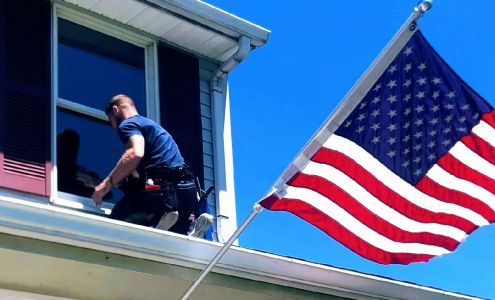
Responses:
[109,180]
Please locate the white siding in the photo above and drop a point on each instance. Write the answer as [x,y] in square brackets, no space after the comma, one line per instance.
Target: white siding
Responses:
[205,74]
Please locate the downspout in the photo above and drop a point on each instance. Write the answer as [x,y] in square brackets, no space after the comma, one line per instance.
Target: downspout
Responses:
[222,143]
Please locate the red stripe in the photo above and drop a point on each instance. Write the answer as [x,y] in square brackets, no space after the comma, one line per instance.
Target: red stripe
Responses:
[340,233]
[430,187]
[338,196]
[385,194]
[452,165]
[489,118]
[480,146]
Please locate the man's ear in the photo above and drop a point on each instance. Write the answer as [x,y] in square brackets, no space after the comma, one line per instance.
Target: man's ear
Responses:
[115,109]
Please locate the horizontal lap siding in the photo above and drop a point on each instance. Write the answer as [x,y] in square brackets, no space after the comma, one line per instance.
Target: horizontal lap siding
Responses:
[206,122]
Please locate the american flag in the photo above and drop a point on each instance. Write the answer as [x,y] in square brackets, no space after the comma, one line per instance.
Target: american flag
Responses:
[409,173]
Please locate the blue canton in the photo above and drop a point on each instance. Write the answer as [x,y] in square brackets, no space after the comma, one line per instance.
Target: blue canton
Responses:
[415,112]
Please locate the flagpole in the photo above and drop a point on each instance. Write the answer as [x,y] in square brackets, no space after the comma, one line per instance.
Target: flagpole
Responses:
[256,209]
[352,98]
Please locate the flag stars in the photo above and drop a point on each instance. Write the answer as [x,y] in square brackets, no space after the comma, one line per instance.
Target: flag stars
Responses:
[433,132]
[408,51]
[417,160]
[348,123]
[418,134]
[375,100]
[392,127]
[436,80]
[405,164]
[407,67]
[462,129]
[406,138]
[375,140]
[375,113]
[451,95]
[421,81]
[476,116]
[420,95]
[449,106]
[447,130]
[377,87]
[375,126]
[391,154]
[418,147]
[465,107]
[436,94]
[392,99]
[419,122]
[406,125]
[361,117]
[392,113]
[431,157]
[418,172]
[463,119]
[407,97]
[360,129]
[406,151]
[407,111]
[422,66]
[392,69]
[420,108]
[446,142]
[432,144]
[449,118]
[434,121]
[392,83]
[407,83]
[391,140]
[362,105]
[435,108]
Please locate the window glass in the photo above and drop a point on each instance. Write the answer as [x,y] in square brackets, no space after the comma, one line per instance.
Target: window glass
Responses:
[87,150]
[93,67]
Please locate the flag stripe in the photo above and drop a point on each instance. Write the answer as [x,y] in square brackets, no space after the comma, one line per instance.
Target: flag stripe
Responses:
[480,146]
[401,187]
[432,188]
[469,158]
[460,170]
[387,195]
[442,177]
[395,227]
[354,225]
[340,232]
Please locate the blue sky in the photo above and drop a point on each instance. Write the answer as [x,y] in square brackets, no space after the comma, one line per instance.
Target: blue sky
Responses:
[285,90]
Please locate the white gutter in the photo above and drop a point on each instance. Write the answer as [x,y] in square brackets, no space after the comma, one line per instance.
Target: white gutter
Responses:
[226,222]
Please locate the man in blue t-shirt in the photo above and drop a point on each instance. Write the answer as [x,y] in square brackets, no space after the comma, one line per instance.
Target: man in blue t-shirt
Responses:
[158,187]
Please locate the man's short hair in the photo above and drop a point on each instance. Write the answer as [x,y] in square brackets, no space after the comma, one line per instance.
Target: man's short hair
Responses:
[120,100]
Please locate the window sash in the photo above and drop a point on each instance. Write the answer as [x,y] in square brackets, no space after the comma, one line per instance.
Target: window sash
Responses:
[115,30]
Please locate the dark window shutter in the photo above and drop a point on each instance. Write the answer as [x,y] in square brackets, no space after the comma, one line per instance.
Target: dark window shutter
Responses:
[25,93]
[180,106]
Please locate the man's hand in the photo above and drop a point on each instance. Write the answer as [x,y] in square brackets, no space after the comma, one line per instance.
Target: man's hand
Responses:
[101,190]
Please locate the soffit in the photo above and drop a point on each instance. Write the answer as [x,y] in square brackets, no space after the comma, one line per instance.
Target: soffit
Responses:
[189,24]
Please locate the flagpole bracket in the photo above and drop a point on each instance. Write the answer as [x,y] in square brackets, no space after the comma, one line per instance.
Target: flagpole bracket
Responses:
[423,6]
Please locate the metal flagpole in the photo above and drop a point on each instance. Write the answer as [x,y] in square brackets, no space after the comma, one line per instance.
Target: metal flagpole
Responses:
[328,127]
[256,209]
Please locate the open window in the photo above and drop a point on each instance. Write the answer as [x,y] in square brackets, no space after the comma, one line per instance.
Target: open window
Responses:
[93,61]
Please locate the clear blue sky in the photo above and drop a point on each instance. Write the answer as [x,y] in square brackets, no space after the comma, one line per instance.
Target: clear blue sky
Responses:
[285,90]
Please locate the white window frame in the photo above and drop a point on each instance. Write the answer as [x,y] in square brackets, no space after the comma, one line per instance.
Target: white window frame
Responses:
[116,30]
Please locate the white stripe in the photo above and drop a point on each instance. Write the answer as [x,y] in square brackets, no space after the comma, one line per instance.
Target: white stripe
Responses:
[485,131]
[397,184]
[472,160]
[341,216]
[442,177]
[376,206]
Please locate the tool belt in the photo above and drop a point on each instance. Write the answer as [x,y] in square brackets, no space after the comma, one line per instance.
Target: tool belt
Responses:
[161,175]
